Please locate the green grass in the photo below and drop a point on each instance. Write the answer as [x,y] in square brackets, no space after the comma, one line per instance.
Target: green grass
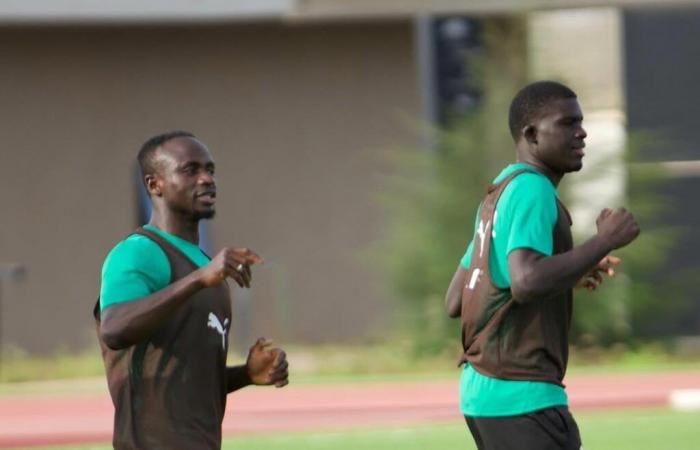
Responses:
[641,429]
[648,429]
[19,366]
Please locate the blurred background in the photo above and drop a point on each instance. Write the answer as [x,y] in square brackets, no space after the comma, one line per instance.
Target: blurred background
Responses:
[353,142]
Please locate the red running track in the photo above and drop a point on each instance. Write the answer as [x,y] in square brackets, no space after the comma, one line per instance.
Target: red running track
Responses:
[84,417]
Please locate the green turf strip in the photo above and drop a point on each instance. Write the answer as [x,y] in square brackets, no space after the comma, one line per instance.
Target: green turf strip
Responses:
[648,429]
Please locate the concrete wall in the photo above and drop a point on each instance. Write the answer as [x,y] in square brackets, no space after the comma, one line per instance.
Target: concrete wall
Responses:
[294,116]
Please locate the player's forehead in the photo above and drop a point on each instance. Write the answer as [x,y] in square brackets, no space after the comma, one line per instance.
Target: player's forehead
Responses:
[182,151]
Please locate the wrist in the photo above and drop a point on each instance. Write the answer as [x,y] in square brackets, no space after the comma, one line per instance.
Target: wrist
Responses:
[246,376]
[197,280]
[606,243]
[237,378]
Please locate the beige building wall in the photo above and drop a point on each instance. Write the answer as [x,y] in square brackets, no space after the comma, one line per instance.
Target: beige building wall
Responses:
[294,116]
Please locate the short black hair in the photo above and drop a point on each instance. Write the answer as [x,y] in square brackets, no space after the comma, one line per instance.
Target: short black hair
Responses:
[148,149]
[530,99]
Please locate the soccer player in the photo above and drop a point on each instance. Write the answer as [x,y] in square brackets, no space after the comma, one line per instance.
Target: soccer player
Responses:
[513,287]
[164,311]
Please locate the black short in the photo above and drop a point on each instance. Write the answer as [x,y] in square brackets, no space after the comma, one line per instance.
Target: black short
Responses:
[547,429]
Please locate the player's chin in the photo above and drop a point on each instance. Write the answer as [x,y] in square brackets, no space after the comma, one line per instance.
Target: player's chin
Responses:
[575,166]
[208,213]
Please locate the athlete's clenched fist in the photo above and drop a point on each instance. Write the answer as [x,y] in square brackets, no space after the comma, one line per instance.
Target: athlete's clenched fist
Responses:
[230,262]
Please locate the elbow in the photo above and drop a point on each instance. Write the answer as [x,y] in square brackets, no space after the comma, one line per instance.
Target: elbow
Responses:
[112,340]
[523,289]
[520,296]
[453,311]
[453,305]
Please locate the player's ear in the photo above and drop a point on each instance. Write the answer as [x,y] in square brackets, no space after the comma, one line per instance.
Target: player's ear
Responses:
[530,134]
[152,185]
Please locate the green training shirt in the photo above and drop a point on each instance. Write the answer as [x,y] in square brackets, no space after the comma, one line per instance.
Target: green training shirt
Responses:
[137,267]
[525,217]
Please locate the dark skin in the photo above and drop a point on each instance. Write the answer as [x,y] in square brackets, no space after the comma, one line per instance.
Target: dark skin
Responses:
[553,143]
[183,191]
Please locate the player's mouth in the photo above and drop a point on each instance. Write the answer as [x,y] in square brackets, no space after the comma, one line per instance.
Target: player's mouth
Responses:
[578,150]
[208,197]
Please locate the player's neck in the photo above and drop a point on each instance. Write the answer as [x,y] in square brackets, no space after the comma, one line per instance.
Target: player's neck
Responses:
[184,229]
[554,177]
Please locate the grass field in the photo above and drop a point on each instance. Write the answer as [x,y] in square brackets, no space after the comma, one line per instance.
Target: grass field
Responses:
[648,429]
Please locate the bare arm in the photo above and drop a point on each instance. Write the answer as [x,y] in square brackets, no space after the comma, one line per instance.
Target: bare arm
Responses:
[129,323]
[453,298]
[536,276]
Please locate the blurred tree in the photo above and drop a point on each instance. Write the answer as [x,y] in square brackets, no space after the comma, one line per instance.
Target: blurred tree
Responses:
[432,194]
[631,308]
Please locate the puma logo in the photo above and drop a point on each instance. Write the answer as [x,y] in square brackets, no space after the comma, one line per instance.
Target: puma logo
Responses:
[221,329]
[474,278]
[482,232]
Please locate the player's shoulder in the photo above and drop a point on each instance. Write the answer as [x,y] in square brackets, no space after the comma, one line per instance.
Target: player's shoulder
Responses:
[530,185]
[135,249]
[529,179]
[527,190]
[135,243]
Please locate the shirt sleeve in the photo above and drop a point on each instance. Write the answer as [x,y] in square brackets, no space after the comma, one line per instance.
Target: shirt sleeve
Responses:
[467,258]
[135,268]
[532,210]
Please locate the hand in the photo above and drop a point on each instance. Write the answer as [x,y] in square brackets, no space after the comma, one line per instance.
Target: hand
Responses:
[230,262]
[266,365]
[618,227]
[594,278]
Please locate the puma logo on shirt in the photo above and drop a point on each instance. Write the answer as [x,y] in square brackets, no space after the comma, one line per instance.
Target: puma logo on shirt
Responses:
[221,329]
